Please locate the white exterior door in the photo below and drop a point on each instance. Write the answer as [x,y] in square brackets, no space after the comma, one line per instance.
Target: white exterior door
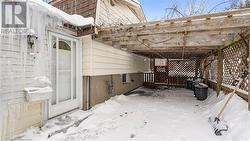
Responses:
[65,68]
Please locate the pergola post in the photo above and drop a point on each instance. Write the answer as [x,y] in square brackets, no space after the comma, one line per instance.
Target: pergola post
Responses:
[197,65]
[206,68]
[249,76]
[167,71]
[219,71]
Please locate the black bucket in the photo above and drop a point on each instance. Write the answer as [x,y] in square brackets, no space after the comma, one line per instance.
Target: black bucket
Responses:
[201,92]
[189,84]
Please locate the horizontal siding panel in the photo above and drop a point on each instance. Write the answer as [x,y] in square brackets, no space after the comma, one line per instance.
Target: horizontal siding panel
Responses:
[107,60]
[114,15]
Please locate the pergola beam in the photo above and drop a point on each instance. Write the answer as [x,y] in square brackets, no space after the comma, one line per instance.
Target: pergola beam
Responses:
[204,16]
[183,29]
[189,36]
[172,55]
[185,50]
[164,37]
[218,23]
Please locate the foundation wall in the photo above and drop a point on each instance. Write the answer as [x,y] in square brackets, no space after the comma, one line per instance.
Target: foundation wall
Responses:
[99,87]
[16,118]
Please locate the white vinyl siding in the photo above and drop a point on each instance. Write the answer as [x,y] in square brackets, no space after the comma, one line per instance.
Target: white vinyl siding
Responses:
[18,69]
[118,14]
[102,59]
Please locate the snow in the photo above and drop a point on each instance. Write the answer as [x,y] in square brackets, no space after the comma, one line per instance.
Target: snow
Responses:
[147,114]
[133,2]
[76,20]
[43,80]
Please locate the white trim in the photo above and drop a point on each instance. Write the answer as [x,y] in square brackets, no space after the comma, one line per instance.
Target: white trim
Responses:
[63,106]
[57,68]
[97,12]
[79,79]
[1,19]
[72,73]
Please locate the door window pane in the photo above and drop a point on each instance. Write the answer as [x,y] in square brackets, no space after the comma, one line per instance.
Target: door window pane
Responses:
[64,58]
[53,69]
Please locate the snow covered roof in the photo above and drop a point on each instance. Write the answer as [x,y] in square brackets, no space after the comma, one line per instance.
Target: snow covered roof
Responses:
[133,2]
[75,20]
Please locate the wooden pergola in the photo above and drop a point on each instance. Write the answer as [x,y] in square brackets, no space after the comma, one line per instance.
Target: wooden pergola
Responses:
[195,37]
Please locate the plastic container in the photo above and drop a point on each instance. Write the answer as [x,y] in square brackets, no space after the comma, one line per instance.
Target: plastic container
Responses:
[201,91]
[195,82]
[189,83]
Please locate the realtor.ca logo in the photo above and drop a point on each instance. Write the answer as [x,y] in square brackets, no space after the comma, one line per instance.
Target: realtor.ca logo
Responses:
[13,17]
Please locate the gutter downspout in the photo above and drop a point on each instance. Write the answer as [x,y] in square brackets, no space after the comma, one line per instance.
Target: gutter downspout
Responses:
[89,93]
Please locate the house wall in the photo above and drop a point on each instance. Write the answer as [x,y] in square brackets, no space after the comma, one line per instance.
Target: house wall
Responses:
[103,64]
[17,72]
[99,87]
[19,65]
[17,117]
[105,14]
[117,14]
[102,59]
[86,8]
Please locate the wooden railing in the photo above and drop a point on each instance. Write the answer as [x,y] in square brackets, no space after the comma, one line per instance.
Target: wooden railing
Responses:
[178,81]
[148,77]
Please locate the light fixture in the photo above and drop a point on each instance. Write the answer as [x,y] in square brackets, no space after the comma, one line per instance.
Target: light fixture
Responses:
[31,40]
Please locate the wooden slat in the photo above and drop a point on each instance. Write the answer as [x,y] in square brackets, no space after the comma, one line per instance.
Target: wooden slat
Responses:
[217,24]
[204,17]
[228,89]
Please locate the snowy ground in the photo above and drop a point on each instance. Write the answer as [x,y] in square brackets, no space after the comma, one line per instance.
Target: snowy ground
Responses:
[170,114]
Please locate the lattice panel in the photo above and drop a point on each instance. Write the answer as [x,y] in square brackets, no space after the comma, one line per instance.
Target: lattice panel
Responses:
[182,68]
[235,60]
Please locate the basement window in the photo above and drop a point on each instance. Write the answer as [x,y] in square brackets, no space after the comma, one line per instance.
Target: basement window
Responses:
[125,78]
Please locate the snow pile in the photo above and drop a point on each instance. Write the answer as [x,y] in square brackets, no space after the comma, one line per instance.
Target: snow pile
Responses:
[43,81]
[146,114]
[236,116]
[76,20]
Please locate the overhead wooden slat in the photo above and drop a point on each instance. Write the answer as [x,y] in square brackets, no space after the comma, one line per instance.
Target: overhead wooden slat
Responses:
[191,36]
[190,18]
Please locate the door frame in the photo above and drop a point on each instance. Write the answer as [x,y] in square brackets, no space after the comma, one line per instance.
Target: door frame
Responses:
[51,112]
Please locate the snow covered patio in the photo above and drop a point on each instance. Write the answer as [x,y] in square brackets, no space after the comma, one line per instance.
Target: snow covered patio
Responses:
[149,114]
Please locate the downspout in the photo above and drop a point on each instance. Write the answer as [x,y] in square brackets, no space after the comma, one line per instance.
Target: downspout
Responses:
[89,93]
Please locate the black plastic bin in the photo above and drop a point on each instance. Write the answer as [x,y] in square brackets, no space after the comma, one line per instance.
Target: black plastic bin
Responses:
[195,82]
[189,84]
[201,92]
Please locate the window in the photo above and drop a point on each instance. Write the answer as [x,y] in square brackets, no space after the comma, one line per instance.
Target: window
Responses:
[125,78]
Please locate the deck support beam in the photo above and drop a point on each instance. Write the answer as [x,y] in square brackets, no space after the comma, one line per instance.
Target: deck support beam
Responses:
[219,71]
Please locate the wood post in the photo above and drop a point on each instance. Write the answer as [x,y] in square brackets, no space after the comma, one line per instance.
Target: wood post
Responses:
[152,65]
[249,76]
[197,65]
[219,71]
[167,69]
[206,72]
